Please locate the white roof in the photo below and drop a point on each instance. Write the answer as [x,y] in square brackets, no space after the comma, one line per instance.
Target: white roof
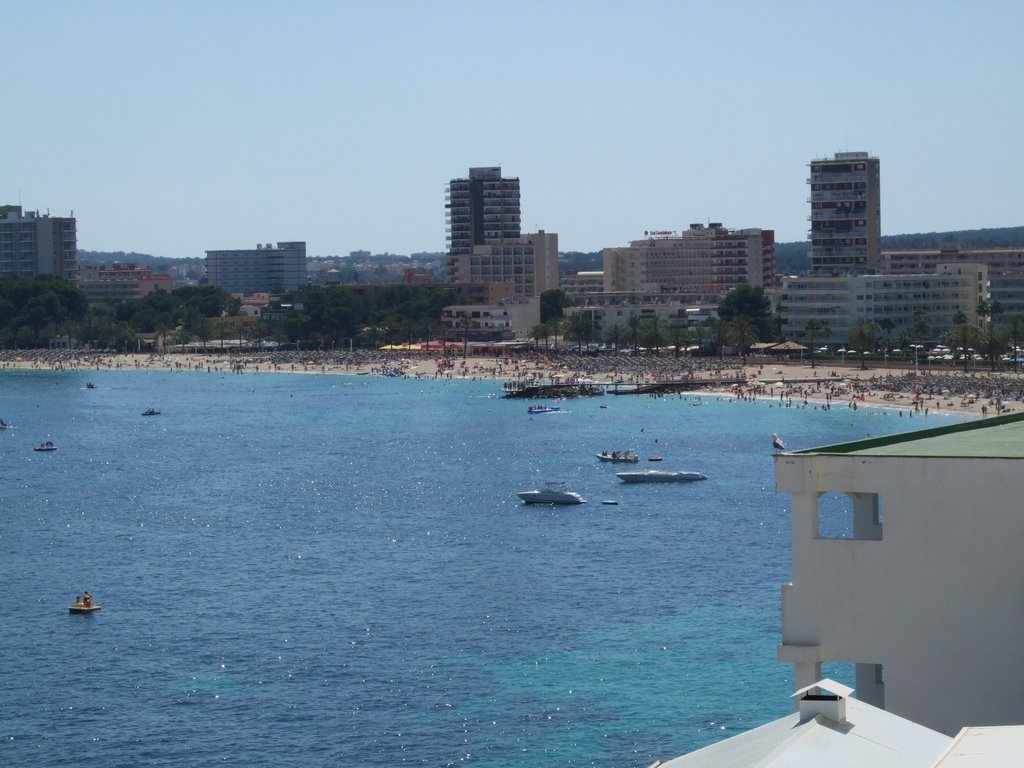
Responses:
[995,747]
[870,737]
[825,684]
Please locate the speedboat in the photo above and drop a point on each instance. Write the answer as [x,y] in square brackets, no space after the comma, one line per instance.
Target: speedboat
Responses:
[552,493]
[660,476]
[47,446]
[90,385]
[628,455]
[543,409]
[77,608]
[151,412]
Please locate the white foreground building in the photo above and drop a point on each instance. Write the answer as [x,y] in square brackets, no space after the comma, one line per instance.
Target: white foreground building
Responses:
[907,563]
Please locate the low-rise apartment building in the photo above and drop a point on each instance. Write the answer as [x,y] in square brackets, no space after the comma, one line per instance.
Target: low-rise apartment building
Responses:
[120,282]
[840,302]
[506,320]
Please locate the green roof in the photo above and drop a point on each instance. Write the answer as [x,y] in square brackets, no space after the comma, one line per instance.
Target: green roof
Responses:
[998,437]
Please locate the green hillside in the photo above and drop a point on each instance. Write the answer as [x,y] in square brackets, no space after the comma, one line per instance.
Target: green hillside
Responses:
[794,258]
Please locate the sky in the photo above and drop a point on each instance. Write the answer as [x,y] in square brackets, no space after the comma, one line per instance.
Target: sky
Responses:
[173,128]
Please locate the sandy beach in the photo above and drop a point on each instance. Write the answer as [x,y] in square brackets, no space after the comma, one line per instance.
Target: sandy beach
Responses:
[977,392]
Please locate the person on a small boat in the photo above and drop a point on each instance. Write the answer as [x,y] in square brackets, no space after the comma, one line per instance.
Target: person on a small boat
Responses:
[87,600]
[78,602]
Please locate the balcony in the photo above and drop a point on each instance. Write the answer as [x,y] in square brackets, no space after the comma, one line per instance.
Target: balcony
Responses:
[838,214]
[826,178]
[828,196]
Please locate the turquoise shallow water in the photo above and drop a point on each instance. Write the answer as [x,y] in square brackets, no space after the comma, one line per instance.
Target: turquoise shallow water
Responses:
[325,570]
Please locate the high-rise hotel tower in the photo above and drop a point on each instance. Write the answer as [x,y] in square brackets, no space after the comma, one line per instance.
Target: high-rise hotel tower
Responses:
[482,210]
[485,245]
[846,227]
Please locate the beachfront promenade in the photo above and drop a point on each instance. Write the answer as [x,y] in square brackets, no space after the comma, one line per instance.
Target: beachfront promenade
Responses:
[977,392]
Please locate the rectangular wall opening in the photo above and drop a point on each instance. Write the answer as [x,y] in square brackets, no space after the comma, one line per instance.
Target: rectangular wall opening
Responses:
[855,516]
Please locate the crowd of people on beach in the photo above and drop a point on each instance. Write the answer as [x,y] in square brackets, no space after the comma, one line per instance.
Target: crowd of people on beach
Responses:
[977,391]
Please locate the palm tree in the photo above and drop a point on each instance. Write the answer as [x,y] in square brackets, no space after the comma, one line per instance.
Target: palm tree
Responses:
[989,311]
[741,333]
[653,337]
[634,323]
[464,323]
[555,324]
[964,334]
[437,330]
[887,324]
[679,337]
[538,332]
[579,327]
[921,326]
[1015,326]
[720,334]
[615,335]
[812,329]
[862,338]
[704,326]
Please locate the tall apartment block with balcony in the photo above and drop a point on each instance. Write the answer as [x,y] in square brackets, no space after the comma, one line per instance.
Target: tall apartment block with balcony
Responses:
[482,210]
[846,227]
[485,244]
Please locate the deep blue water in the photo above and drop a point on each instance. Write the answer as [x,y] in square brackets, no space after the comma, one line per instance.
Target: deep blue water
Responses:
[302,570]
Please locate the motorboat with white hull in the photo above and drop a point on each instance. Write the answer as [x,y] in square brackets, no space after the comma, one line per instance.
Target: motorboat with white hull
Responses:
[552,493]
[660,476]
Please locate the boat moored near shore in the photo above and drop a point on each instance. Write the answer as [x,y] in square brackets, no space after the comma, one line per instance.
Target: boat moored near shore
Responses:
[627,456]
[660,476]
[552,493]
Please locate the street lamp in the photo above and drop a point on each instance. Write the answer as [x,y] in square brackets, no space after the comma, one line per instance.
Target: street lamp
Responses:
[916,347]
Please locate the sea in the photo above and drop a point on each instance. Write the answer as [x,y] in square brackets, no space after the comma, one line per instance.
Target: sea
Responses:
[335,570]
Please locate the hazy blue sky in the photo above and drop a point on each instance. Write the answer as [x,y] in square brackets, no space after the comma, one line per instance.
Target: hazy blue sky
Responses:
[175,127]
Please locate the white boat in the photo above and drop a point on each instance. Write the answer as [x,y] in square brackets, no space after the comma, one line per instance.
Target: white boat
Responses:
[660,476]
[628,455]
[552,493]
[47,446]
